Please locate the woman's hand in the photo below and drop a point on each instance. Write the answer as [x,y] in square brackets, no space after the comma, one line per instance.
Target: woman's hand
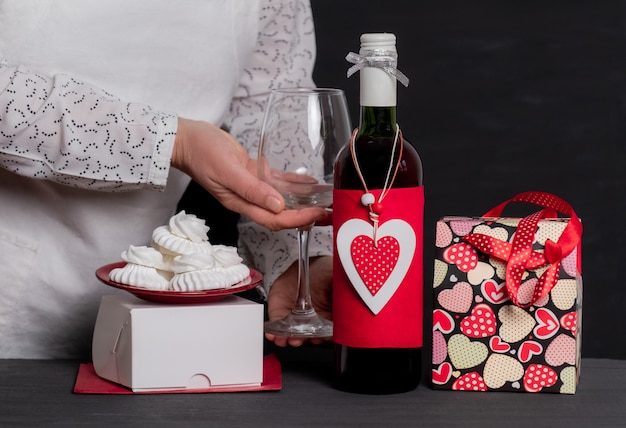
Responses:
[283,292]
[216,161]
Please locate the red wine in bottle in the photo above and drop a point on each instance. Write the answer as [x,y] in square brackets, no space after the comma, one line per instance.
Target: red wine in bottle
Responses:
[377,272]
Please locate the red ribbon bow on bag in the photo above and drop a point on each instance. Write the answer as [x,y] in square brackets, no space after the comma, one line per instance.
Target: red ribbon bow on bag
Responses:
[519,254]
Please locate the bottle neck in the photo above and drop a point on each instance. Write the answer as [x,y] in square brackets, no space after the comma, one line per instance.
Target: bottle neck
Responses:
[377,88]
[378,102]
[379,121]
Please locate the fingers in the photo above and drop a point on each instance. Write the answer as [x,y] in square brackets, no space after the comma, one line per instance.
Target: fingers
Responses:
[327,220]
[287,219]
[294,342]
[222,166]
[283,292]
[283,342]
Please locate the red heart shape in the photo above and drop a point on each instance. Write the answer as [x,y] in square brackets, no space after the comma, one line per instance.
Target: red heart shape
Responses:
[472,381]
[442,321]
[441,375]
[538,376]
[569,322]
[374,263]
[547,323]
[528,349]
[463,255]
[494,292]
[498,345]
[480,323]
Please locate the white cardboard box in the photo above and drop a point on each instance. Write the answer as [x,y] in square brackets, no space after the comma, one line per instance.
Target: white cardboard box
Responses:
[157,347]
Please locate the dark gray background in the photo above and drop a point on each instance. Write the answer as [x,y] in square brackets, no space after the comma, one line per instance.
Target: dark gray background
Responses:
[506,97]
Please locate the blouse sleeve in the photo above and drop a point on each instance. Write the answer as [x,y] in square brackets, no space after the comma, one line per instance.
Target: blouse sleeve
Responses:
[61,129]
[284,57]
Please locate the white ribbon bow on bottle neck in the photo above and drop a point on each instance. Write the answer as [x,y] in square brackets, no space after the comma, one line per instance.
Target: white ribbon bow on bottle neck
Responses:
[383,59]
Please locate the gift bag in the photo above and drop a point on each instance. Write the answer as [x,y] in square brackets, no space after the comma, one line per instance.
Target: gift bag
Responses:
[507,300]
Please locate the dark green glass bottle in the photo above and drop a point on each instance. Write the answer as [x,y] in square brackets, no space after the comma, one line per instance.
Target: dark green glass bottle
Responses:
[361,366]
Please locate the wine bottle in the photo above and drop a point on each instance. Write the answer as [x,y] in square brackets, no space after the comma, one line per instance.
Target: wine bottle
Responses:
[378,204]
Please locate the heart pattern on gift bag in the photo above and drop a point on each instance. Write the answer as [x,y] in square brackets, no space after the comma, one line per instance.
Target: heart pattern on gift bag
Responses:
[472,381]
[481,272]
[442,374]
[463,255]
[442,321]
[500,369]
[529,347]
[376,284]
[562,350]
[516,323]
[564,294]
[440,348]
[547,323]
[538,376]
[457,299]
[496,344]
[480,323]
[494,292]
[568,322]
[464,353]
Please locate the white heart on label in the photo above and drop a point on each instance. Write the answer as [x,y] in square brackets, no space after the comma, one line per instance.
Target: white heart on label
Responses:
[401,237]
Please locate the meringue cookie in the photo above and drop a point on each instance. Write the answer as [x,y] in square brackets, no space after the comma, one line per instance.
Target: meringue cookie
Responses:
[236,273]
[193,262]
[189,226]
[140,276]
[200,271]
[144,256]
[226,256]
[185,234]
[199,280]
[144,268]
[228,261]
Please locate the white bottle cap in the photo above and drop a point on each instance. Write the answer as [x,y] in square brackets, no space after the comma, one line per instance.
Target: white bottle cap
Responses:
[383,41]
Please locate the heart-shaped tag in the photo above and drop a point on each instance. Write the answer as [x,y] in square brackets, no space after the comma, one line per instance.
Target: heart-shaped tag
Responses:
[374,263]
[376,283]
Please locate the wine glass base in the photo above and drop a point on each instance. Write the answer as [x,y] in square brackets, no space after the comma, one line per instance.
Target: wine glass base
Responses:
[308,325]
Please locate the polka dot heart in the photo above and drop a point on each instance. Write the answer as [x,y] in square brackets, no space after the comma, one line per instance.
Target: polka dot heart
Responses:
[463,255]
[376,273]
[375,263]
[538,376]
[480,323]
[470,382]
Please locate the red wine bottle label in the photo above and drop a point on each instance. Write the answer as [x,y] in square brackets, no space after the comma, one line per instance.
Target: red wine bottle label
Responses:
[377,271]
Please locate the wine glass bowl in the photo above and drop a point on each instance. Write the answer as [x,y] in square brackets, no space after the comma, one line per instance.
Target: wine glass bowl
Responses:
[303,131]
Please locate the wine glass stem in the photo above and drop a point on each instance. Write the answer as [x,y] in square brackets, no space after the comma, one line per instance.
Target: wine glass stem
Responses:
[303,301]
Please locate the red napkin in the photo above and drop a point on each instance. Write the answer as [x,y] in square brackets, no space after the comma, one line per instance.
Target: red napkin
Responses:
[88,382]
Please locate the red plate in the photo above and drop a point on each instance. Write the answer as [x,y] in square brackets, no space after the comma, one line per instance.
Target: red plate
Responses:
[178,297]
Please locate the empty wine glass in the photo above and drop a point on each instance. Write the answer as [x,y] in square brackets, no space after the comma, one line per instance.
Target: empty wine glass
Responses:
[303,130]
